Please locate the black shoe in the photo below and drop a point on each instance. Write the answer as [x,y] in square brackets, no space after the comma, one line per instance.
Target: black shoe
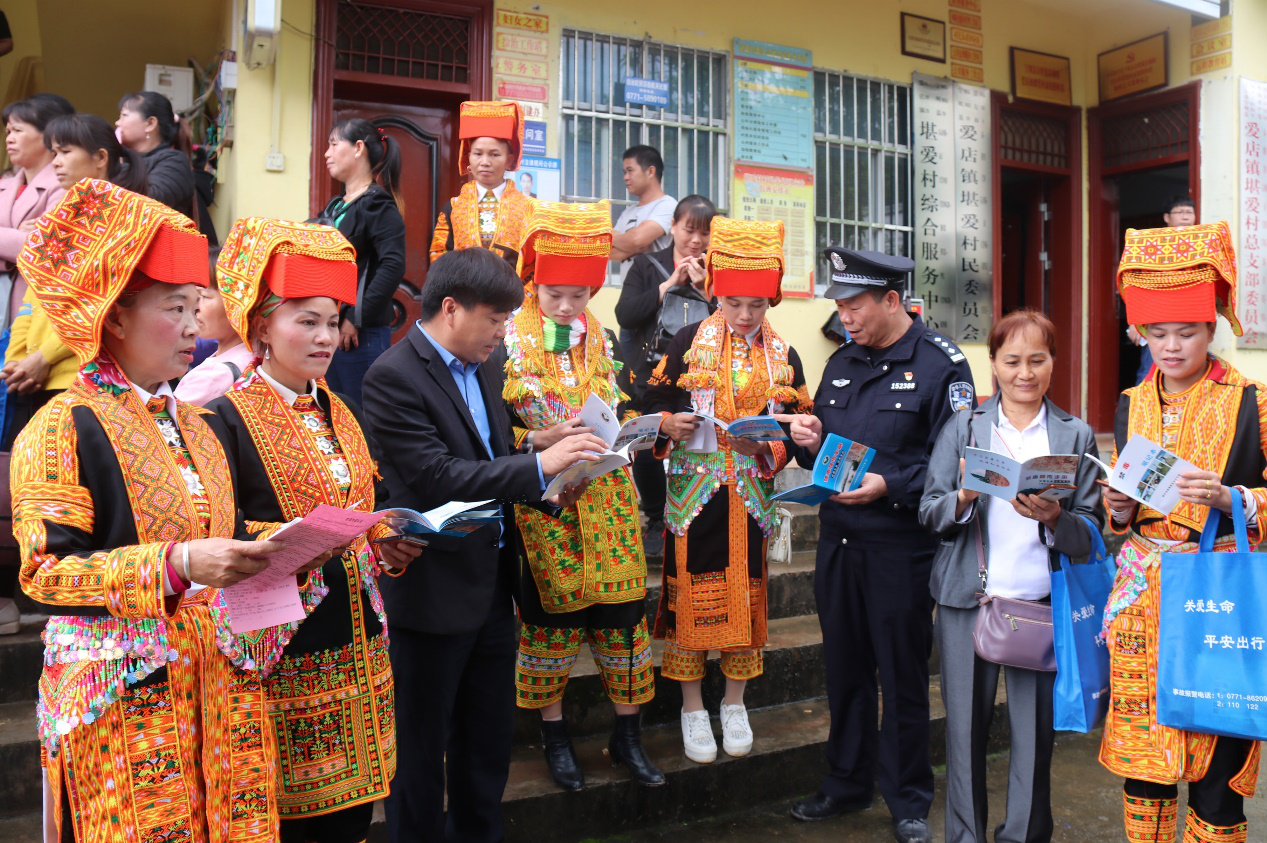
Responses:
[625,747]
[820,806]
[653,539]
[912,831]
[560,757]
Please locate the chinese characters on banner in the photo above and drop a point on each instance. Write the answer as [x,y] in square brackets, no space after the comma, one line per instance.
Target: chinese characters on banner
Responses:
[1253,185]
[774,109]
[973,249]
[953,271]
[521,48]
[765,193]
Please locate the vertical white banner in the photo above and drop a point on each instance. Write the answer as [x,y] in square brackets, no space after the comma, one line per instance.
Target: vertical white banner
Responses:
[936,272]
[974,224]
[1252,252]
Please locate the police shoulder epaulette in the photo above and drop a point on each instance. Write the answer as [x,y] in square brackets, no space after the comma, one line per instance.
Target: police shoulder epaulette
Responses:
[952,351]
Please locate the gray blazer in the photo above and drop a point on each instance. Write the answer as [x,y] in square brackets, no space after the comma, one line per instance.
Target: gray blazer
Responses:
[955,580]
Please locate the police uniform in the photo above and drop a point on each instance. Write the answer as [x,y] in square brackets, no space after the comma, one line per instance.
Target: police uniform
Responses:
[873,562]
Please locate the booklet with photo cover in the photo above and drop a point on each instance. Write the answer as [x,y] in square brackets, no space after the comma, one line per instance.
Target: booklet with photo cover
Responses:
[752,428]
[634,435]
[455,518]
[1147,472]
[839,467]
[1052,477]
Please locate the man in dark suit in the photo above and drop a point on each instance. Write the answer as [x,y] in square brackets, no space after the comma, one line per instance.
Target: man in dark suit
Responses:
[438,415]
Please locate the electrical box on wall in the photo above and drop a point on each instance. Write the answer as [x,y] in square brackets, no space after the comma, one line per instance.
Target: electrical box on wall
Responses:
[175,83]
[263,27]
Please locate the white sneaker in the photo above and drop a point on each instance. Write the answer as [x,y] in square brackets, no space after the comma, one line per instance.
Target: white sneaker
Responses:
[697,737]
[736,734]
[10,620]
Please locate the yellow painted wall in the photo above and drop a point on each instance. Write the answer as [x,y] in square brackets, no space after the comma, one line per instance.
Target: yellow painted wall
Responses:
[24,23]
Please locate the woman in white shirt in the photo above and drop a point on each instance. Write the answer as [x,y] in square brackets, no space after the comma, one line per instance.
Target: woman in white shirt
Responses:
[1020,540]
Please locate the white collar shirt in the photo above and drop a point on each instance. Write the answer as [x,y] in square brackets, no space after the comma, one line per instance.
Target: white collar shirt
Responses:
[1017,557]
[497,192]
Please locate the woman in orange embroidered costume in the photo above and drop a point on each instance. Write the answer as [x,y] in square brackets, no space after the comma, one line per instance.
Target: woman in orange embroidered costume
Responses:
[586,574]
[122,497]
[1174,282]
[295,445]
[718,512]
[488,212]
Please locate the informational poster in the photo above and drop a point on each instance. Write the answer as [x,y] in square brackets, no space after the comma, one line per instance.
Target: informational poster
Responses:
[1252,251]
[540,178]
[953,223]
[935,201]
[646,92]
[774,106]
[974,223]
[1134,68]
[766,193]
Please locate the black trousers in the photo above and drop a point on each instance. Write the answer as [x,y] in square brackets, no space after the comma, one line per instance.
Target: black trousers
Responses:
[1210,797]
[648,475]
[350,825]
[455,714]
[875,611]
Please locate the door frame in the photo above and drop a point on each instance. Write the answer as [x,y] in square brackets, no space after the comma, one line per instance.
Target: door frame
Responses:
[329,83]
[1102,324]
[1070,261]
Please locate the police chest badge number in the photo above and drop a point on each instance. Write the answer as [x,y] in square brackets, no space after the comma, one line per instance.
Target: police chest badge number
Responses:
[960,396]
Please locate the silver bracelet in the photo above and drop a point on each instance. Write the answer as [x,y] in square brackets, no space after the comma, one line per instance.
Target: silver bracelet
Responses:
[184,560]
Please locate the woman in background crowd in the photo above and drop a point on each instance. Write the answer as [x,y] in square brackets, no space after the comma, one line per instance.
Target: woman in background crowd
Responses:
[148,125]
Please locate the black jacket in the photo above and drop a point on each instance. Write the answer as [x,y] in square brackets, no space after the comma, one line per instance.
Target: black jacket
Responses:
[374,226]
[639,305]
[415,412]
[171,178]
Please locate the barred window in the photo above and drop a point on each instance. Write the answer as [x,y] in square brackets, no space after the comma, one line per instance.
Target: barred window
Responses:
[598,125]
[862,148]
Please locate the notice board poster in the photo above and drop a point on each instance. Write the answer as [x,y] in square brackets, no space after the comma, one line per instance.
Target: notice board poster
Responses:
[774,104]
[768,193]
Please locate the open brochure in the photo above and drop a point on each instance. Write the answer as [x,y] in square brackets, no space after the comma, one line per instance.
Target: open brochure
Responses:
[1051,477]
[455,518]
[839,467]
[1147,472]
[634,435]
[752,428]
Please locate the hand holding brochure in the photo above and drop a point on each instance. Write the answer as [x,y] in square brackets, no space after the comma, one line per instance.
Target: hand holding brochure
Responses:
[455,518]
[1147,472]
[1051,477]
[634,435]
[840,465]
[755,428]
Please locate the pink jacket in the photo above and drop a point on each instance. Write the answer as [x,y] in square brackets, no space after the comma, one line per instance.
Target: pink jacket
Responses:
[41,194]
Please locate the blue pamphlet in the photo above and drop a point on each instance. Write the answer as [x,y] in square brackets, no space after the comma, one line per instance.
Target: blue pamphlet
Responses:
[840,465]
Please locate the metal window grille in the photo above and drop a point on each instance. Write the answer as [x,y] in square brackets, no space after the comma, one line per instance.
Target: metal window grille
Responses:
[598,125]
[863,167]
[1141,136]
[402,42]
[1033,139]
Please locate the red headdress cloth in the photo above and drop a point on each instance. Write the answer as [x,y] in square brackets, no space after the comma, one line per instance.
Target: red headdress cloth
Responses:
[501,120]
[1179,275]
[567,243]
[97,242]
[745,258]
[290,260]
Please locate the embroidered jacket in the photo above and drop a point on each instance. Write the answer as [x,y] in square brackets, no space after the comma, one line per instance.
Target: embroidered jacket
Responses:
[458,226]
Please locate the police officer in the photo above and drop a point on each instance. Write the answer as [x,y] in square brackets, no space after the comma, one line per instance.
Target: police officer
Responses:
[891,386]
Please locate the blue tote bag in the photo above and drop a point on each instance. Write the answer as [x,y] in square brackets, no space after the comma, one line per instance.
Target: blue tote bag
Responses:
[1212,638]
[1078,596]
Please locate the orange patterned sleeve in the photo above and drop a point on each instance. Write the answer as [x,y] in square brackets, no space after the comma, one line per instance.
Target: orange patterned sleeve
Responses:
[53,520]
[442,237]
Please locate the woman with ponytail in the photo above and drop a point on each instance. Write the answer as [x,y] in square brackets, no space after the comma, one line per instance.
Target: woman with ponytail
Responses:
[148,125]
[367,162]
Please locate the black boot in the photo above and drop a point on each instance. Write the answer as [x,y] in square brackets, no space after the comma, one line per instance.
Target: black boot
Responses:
[560,757]
[625,747]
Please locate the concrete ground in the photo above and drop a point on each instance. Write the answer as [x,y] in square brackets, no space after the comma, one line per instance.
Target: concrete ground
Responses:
[1086,802]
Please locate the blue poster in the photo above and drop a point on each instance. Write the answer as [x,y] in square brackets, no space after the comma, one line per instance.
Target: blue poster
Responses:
[646,92]
[774,104]
[540,178]
[534,137]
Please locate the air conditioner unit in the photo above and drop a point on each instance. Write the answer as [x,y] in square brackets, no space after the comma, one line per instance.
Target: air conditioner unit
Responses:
[263,28]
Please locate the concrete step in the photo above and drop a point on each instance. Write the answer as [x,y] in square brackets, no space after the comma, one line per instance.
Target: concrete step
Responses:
[20,783]
[794,670]
[21,659]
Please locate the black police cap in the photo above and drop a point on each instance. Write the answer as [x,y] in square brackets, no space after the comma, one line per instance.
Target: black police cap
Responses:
[855,271]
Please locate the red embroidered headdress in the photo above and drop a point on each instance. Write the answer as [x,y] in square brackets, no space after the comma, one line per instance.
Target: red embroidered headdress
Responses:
[99,242]
[264,257]
[1179,275]
[745,258]
[501,120]
[567,243]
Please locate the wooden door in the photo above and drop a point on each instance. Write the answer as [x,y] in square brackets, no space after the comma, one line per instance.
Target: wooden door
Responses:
[425,137]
